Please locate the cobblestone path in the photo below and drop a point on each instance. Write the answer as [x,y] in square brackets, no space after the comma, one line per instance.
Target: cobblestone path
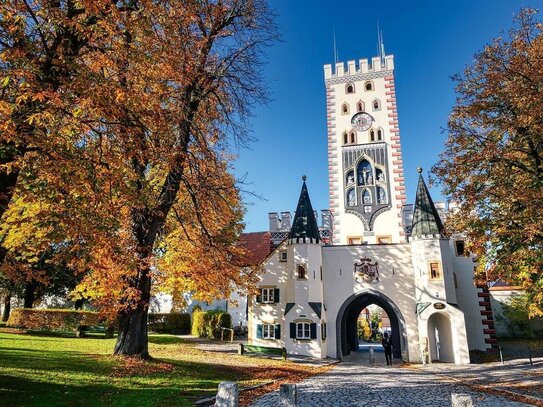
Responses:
[354,384]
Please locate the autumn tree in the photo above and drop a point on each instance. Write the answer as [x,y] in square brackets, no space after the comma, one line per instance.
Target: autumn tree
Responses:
[139,176]
[148,180]
[493,161]
[37,252]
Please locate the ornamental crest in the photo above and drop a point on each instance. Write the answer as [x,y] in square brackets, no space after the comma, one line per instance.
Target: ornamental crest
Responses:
[367,270]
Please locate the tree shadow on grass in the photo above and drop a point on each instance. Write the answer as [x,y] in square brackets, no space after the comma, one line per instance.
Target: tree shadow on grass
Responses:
[19,391]
[45,377]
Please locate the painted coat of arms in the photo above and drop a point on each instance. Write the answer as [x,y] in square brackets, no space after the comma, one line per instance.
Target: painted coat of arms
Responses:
[367,270]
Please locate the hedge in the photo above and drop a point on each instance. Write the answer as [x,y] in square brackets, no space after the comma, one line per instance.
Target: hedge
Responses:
[53,319]
[169,323]
[208,324]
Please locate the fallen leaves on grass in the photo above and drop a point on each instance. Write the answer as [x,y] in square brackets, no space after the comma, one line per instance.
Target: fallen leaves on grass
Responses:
[134,366]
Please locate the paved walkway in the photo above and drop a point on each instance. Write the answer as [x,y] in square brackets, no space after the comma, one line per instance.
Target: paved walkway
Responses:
[353,383]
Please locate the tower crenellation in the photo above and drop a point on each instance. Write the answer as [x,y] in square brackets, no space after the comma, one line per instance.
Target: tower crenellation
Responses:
[364,66]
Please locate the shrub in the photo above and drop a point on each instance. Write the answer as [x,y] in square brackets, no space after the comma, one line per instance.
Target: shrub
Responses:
[170,323]
[208,324]
[53,319]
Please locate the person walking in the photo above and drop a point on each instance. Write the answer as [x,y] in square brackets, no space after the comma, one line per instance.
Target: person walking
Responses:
[387,345]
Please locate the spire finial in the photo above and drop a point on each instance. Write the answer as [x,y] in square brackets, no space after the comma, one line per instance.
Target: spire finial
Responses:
[304,178]
[380,45]
[419,170]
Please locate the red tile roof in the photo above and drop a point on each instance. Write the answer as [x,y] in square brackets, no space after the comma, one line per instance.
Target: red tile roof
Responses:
[258,245]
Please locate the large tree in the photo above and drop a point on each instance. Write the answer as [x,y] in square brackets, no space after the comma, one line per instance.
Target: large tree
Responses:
[493,161]
[172,87]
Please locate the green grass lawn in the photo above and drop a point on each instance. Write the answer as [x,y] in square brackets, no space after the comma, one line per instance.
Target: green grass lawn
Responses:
[48,370]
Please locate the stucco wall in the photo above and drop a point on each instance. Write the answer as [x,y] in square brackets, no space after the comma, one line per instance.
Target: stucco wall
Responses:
[395,281]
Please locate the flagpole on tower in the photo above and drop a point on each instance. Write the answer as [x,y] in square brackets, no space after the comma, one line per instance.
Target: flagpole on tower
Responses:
[335,49]
[380,45]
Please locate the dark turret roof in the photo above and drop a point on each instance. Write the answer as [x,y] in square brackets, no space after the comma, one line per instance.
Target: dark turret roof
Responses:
[426,221]
[304,227]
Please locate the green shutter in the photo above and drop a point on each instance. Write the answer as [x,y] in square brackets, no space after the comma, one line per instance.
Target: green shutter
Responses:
[259,331]
[276,295]
[277,331]
[313,331]
[292,330]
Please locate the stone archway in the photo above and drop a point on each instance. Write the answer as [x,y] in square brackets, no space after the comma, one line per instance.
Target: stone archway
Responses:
[348,314]
[440,338]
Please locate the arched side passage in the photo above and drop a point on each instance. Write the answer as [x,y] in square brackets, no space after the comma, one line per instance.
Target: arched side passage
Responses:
[348,314]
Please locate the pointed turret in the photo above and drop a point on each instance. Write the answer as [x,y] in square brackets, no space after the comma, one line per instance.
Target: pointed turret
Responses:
[304,227]
[426,220]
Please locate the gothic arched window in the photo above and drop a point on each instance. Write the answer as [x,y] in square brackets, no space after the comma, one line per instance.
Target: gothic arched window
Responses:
[379,175]
[372,135]
[349,179]
[360,106]
[368,85]
[381,196]
[366,197]
[349,88]
[345,108]
[364,173]
[376,105]
[353,137]
[379,135]
[351,197]
[345,138]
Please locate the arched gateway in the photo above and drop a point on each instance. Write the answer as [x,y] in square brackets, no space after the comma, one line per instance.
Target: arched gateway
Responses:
[346,328]
[370,248]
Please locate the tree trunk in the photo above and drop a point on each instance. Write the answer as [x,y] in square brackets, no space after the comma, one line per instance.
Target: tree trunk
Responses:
[30,295]
[78,304]
[7,307]
[132,338]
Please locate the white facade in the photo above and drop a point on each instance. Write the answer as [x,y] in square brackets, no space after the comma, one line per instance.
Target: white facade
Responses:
[366,87]
[311,292]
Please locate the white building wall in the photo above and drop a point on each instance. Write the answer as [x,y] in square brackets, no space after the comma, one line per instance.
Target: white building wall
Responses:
[395,281]
[468,300]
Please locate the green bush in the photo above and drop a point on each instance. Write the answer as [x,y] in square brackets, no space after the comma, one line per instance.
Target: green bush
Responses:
[53,319]
[170,323]
[208,324]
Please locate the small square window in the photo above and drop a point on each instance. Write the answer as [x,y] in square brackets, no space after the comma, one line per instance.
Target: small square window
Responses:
[283,256]
[268,331]
[435,272]
[302,271]
[303,330]
[268,295]
[384,239]
[460,248]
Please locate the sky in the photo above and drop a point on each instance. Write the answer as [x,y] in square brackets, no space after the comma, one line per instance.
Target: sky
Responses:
[430,41]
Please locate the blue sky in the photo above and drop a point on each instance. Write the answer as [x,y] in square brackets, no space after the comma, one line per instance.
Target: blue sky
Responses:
[430,40]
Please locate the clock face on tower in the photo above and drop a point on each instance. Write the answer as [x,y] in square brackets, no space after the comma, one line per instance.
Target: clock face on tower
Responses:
[362,121]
